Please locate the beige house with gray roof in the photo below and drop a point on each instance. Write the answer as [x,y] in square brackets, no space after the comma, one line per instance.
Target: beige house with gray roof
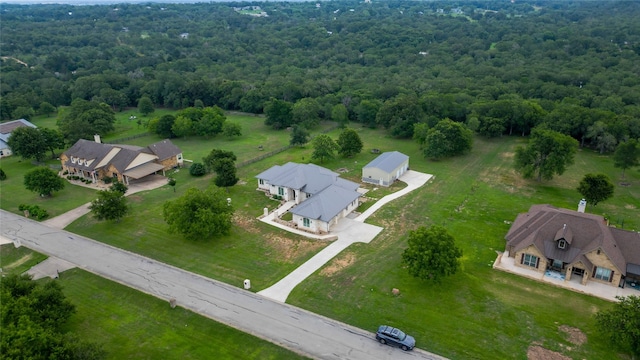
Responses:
[576,245]
[126,163]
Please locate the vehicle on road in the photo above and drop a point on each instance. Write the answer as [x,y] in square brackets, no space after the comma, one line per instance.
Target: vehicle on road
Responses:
[395,337]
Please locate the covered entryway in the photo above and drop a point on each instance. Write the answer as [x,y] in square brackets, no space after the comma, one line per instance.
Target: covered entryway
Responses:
[141,171]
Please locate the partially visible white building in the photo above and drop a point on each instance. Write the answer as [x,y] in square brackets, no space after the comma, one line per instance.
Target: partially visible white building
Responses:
[5,132]
[386,168]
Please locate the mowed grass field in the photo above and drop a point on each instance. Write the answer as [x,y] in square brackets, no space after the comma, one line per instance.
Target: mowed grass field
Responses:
[129,324]
[479,313]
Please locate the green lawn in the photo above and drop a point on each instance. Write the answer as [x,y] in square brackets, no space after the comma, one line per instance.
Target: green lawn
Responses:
[479,313]
[133,325]
[129,324]
[13,192]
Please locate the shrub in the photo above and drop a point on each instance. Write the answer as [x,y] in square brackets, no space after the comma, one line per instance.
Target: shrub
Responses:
[197,169]
[107,180]
[65,172]
[3,176]
[35,211]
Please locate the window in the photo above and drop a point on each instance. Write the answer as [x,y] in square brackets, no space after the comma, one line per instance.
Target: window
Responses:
[530,260]
[562,244]
[261,182]
[603,274]
[281,191]
[306,222]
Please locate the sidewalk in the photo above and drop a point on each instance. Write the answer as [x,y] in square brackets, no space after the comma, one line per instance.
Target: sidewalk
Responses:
[63,220]
[347,230]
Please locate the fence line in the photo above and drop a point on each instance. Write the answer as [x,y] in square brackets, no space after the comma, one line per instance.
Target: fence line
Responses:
[277,151]
[116,141]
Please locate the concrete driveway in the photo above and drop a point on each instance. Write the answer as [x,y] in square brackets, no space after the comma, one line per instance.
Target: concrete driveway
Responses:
[348,232]
[293,328]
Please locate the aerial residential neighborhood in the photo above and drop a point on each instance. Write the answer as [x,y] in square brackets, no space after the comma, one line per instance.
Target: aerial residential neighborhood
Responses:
[320,180]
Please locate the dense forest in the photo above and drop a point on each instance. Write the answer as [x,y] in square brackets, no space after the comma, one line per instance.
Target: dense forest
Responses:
[500,67]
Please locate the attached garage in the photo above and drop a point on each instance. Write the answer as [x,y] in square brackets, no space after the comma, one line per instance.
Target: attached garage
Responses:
[386,168]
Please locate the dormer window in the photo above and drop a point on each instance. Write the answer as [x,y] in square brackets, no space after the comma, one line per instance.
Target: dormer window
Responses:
[562,244]
[73,160]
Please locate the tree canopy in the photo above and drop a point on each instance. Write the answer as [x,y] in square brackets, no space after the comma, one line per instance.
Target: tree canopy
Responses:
[548,153]
[323,147]
[110,205]
[447,138]
[432,253]
[33,316]
[28,143]
[349,143]
[595,188]
[83,119]
[621,324]
[199,214]
[627,155]
[43,181]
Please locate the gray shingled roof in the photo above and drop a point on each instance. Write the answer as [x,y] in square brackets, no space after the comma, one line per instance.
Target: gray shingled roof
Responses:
[91,150]
[309,178]
[164,149]
[7,127]
[331,194]
[388,161]
[542,224]
[327,204]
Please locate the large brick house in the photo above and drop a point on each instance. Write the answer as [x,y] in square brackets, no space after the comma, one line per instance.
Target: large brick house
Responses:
[574,244]
[95,161]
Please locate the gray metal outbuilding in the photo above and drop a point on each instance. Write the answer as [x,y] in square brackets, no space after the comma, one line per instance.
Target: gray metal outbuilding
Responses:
[386,168]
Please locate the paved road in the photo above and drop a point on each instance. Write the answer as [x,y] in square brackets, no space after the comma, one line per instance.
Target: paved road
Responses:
[293,328]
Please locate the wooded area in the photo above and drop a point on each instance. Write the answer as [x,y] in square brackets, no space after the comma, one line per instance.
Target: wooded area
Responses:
[500,67]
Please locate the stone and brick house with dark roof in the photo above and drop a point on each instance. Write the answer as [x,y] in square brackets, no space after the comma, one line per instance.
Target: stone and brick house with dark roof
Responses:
[95,161]
[579,246]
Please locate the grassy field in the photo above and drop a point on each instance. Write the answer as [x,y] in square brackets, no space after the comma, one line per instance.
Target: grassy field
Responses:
[479,313]
[13,192]
[133,325]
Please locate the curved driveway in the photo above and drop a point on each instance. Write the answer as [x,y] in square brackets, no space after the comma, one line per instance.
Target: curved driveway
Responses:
[291,327]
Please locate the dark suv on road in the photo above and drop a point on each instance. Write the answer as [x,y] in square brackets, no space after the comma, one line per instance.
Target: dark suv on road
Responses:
[395,337]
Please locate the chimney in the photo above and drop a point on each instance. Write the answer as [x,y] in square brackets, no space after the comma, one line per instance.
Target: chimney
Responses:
[96,137]
[582,205]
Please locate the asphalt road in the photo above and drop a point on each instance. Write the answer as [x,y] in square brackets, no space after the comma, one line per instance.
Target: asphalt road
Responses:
[288,326]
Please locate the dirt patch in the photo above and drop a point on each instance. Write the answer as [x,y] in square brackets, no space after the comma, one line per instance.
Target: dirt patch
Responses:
[288,249]
[247,223]
[630,207]
[507,155]
[537,352]
[574,335]
[338,264]
[19,262]
[135,198]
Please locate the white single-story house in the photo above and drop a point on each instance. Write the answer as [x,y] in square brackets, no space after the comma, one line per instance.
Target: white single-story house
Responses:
[5,132]
[386,168]
[321,196]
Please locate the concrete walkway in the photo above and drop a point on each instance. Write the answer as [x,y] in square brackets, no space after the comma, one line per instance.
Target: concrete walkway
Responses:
[301,331]
[63,220]
[348,232]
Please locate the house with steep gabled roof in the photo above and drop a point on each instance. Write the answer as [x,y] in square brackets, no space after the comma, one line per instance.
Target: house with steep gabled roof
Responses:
[386,168]
[320,196]
[5,132]
[95,161]
[575,245]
